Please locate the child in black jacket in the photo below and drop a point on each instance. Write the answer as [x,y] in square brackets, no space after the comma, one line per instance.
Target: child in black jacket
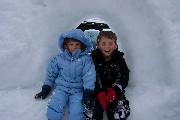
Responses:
[111,80]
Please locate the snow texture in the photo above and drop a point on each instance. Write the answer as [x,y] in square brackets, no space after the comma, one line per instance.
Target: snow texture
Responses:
[148,33]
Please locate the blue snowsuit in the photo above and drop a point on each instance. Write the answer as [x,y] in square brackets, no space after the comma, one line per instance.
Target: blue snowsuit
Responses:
[70,75]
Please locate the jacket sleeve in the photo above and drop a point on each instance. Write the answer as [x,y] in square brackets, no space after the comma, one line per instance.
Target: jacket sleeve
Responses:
[89,74]
[98,85]
[122,77]
[52,73]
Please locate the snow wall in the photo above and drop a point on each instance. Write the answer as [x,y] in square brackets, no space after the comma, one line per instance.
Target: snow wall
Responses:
[148,33]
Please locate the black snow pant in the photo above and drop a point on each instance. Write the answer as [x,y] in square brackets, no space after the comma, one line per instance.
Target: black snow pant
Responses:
[116,110]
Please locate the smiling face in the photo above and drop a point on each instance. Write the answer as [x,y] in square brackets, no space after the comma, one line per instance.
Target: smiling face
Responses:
[106,46]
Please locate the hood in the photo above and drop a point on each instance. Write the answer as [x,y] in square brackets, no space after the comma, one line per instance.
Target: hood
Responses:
[75,34]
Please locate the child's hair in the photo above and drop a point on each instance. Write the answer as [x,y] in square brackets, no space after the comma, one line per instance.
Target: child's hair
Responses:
[67,40]
[107,34]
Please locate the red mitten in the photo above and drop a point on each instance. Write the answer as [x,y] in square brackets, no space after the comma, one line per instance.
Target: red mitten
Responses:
[111,94]
[102,99]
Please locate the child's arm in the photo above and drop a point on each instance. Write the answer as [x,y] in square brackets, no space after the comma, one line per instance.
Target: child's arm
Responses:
[122,77]
[124,73]
[89,78]
[52,74]
[121,80]
[89,74]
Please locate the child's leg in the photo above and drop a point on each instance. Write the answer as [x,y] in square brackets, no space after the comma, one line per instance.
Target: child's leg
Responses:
[76,107]
[119,109]
[57,105]
[97,110]
[110,111]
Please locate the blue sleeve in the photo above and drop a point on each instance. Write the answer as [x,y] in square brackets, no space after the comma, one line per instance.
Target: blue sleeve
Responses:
[89,74]
[52,73]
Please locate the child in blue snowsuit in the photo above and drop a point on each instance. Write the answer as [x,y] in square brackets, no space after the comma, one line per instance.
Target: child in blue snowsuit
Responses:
[72,75]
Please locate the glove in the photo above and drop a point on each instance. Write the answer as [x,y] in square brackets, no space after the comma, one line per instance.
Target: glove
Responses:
[102,99]
[44,93]
[111,94]
[87,99]
[87,103]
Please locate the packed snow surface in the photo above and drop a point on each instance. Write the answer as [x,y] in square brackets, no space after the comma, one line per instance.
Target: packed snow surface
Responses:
[148,33]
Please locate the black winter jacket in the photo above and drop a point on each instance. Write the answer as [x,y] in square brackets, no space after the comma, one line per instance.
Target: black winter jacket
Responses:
[112,73]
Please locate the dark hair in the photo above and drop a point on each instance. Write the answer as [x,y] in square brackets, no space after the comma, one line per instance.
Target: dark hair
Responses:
[107,34]
[67,40]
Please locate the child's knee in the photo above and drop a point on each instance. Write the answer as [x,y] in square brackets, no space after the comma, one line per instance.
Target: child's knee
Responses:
[55,113]
[76,111]
[55,110]
[76,116]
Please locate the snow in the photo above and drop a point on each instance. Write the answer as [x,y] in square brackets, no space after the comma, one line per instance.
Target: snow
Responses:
[148,33]
[96,20]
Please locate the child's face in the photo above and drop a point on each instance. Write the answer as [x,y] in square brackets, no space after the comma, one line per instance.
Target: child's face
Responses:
[73,45]
[106,46]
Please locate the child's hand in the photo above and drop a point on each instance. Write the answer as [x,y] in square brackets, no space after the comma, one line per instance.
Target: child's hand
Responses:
[87,99]
[111,94]
[102,99]
[41,95]
[44,93]
[87,103]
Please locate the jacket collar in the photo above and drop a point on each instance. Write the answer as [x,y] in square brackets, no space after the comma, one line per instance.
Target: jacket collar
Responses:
[76,54]
[98,54]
